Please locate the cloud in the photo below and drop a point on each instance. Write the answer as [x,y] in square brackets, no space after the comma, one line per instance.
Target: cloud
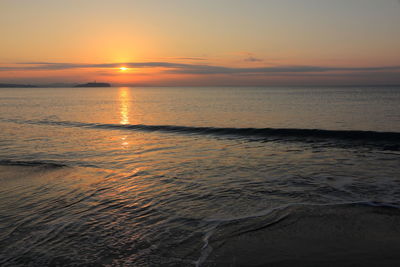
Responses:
[64,66]
[207,69]
[186,58]
[253,59]
[249,57]
[199,69]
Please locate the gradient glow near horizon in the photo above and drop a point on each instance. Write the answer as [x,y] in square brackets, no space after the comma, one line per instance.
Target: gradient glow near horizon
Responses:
[200,43]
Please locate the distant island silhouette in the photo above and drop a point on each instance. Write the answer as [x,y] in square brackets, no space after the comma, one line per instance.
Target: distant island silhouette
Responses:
[11,85]
[94,84]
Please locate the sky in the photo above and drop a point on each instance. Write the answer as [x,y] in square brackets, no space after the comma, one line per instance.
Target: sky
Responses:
[200,43]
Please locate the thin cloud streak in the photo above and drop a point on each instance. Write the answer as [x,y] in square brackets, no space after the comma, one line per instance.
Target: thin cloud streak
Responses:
[199,69]
[184,58]
[253,59]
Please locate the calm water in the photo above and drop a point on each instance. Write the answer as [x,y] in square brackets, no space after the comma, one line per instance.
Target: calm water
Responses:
[150,176]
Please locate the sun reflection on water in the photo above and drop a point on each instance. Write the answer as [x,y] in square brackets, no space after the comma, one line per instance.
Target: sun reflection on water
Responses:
[124,102]
[124,98]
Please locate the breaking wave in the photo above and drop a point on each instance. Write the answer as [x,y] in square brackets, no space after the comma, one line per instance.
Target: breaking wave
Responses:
[386,140]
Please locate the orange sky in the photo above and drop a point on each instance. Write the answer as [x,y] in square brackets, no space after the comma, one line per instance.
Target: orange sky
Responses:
[200,43]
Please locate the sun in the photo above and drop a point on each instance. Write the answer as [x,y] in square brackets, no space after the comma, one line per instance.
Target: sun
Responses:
[123,68]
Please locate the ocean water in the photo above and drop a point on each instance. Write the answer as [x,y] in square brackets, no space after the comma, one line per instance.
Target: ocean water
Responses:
[199,176]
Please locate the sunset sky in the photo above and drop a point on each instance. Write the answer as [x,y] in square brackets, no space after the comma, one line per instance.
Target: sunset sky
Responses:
[200,43]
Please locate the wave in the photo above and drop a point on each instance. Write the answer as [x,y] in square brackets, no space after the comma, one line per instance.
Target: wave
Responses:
[266,212]
[387,140]
[43,164]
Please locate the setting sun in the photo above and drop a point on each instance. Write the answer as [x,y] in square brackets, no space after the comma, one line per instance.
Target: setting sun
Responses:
[200,133]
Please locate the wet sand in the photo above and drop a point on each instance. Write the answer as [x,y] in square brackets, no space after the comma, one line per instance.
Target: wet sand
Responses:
[338,235]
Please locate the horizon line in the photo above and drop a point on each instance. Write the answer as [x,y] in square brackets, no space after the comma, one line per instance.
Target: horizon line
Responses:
[69,85]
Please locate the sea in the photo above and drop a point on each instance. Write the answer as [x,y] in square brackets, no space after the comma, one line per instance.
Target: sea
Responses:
[200,176]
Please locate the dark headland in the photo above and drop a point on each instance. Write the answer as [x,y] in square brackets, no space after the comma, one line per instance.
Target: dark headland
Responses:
[93,85]
[11,85]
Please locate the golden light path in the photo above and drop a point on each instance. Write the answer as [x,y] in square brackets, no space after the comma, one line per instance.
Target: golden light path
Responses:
[124,98]
[124,101]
